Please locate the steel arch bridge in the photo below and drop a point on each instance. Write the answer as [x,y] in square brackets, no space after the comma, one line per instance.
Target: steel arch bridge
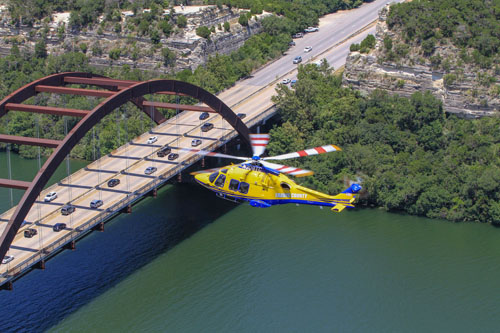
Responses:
[116,93]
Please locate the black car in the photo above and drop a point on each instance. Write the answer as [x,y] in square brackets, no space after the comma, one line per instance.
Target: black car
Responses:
[164,151]
[207,127]
[113,182]
[59,226]
[242,115]
[67,209]
[173,156]
[204,116]
[28,233]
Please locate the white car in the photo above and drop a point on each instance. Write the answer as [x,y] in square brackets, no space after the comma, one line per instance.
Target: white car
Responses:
[285,81]
[152,140]
[308,49]
[7,259]
[50,196]
[195,142]
[311,29]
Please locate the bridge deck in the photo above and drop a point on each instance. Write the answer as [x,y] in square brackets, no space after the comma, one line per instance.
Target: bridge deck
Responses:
[127,163]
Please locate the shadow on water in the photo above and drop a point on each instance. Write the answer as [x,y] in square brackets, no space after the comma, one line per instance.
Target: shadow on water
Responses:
[101,260]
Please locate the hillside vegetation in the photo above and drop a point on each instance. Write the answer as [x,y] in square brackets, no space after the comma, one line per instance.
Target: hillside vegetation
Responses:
[409,155]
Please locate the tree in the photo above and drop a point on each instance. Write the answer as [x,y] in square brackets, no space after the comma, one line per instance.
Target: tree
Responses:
[41,49]
[227,26]
[181,21]
[243,20]
[168,57]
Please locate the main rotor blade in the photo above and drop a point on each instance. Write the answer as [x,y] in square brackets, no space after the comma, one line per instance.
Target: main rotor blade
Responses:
[307,152]
[205,171]
[213,154]
[297,172]
[259,143]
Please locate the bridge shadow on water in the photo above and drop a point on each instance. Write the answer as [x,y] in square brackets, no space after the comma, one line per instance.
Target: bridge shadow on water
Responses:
[101,260]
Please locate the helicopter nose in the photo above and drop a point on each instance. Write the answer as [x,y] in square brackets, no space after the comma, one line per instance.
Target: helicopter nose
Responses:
[202,178]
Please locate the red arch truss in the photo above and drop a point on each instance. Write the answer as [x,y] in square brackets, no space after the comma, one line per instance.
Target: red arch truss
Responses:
[117,93]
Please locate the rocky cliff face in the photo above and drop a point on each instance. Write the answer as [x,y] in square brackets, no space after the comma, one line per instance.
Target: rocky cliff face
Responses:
[138,51]
[462,88]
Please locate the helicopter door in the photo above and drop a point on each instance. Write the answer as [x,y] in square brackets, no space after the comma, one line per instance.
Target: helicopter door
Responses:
[220,180]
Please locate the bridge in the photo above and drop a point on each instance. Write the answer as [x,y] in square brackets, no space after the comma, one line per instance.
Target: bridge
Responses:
[127,163]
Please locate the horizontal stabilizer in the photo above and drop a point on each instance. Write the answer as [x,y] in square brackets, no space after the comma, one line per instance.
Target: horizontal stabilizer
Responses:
[338,208]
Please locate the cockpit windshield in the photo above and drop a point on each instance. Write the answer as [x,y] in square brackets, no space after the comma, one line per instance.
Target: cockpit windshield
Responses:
[212,177]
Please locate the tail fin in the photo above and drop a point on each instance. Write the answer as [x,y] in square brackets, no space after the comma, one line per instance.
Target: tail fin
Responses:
[354,188]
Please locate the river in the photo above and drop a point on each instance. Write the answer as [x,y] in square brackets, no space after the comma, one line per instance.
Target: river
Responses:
[187,261]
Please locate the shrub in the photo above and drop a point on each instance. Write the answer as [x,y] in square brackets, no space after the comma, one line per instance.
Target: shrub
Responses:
[181,21]
[448,79]
[203,32]
[115,53]
[354,47]
[368,42]
[227,26]
[388,43]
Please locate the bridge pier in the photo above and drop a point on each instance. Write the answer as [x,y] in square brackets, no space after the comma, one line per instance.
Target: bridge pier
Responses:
[71,245]
[127,209]
[7,286]
[179,177]
[99,227]
[40,264]
[203,162]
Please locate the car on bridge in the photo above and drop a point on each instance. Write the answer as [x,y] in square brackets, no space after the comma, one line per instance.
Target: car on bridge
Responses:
[195,142]
[207,127]
[164,151]
[68,209]
[28,233]
[50,196]
[152,140]
[242,115]
[113,182]
[173,156]
[7,259]
[96,203]
[59,226]
[149,170]
[297,59]
[308,49]
[311,29]
[204,116]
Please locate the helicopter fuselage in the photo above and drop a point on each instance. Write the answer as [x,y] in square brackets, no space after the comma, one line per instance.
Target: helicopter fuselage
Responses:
[263,188]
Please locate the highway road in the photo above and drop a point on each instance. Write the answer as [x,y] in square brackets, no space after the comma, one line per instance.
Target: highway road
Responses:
[251,96]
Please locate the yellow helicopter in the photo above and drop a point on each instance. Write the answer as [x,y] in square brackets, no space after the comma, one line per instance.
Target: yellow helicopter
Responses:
[264,184]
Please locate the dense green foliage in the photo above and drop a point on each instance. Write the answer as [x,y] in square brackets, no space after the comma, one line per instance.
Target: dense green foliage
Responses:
[409,155]
[469,24]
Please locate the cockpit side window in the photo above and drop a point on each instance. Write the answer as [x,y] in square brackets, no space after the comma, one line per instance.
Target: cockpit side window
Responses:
[233,185]
[212,177]
[220,181]
[244,187]
[224,171]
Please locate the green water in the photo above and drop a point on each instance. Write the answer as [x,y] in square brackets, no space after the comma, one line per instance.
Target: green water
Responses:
[302,269]
[189,262]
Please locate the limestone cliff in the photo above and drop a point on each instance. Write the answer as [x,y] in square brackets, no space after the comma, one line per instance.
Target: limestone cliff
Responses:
[464,89]
[135,50]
